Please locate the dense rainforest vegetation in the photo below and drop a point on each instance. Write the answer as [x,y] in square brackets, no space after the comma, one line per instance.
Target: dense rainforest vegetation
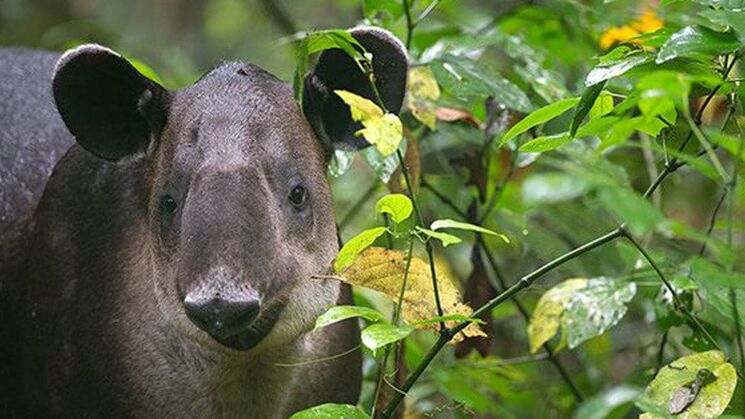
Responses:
[554,224]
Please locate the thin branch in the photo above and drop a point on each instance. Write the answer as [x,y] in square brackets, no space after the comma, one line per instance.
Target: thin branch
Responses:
[409,24]
[524,282]
[280,16]
[548,349]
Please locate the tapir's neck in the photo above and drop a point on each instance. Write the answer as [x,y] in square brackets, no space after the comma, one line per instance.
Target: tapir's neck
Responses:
[163,361]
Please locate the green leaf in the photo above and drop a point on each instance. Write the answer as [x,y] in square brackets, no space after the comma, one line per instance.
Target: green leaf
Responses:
[586,102]
[445,238]
[331,411]
[145,69]
[382,166]
[355,246]
[603,105]
[339,313]
[546,143]
[639,213]
[447,223]
[546,318]
[697,41]
[466,79]
[727,18]
[595,308]
[714,275]
[614,68]
[379,335]
[712,398]
[552,187]
[610,403]
[737,5]
[398,205]
[539,116]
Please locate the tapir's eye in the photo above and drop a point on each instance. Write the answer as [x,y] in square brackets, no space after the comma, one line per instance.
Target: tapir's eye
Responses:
[169,204]
[298,196]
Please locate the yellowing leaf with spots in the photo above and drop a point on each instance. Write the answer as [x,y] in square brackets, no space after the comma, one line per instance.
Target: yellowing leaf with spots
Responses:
[546,317]
[423,89]
[383,270]
[681,389]
[422,84]
[384,130]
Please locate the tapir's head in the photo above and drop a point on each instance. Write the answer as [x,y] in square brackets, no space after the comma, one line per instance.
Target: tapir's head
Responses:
[239,209]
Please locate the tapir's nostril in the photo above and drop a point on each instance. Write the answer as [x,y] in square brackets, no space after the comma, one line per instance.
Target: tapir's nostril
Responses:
[221,317]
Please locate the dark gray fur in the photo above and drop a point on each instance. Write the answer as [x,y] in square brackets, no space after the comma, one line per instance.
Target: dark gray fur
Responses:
[93,285]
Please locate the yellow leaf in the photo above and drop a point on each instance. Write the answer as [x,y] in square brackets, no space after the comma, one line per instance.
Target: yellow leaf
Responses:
[424,111]
[362,109]
[384,132]
[547,314]
[383,270]
[422,84]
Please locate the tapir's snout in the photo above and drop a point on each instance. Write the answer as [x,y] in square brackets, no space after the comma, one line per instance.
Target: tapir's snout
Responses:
[236,319]
[222,316]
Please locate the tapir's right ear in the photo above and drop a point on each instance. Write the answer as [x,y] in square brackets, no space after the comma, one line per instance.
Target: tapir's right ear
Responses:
[335,70]
[109,106]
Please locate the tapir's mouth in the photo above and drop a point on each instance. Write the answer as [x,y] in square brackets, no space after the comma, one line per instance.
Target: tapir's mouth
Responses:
[253,334]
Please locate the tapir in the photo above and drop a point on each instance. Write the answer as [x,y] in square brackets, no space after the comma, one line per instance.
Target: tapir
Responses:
[158,246]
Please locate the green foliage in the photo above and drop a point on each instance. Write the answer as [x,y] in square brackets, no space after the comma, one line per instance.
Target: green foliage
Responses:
[490,146]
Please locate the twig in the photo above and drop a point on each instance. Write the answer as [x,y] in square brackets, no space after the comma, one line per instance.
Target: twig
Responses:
[409,24]
[547,348]
[524,282]
[280,16]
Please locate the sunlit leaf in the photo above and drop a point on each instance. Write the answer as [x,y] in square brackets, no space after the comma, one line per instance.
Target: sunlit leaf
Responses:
[538,117]
[331,411]
[339,313]
[713,396]
[357,244]
[379,335]
[398,205]
[614,68]
[711,273]
[445,238]
[447,223]
[697,41]
[545,143]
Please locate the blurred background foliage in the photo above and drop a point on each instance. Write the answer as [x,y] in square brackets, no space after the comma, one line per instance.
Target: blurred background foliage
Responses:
[525,54]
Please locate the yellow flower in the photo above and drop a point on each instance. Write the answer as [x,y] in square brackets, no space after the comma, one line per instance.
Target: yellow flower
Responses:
[647,22]
[617,34]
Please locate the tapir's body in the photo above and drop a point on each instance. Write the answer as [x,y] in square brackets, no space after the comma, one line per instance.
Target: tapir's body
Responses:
[128,250]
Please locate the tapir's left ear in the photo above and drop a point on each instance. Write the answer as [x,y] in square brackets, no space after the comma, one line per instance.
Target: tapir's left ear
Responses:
[335,70]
